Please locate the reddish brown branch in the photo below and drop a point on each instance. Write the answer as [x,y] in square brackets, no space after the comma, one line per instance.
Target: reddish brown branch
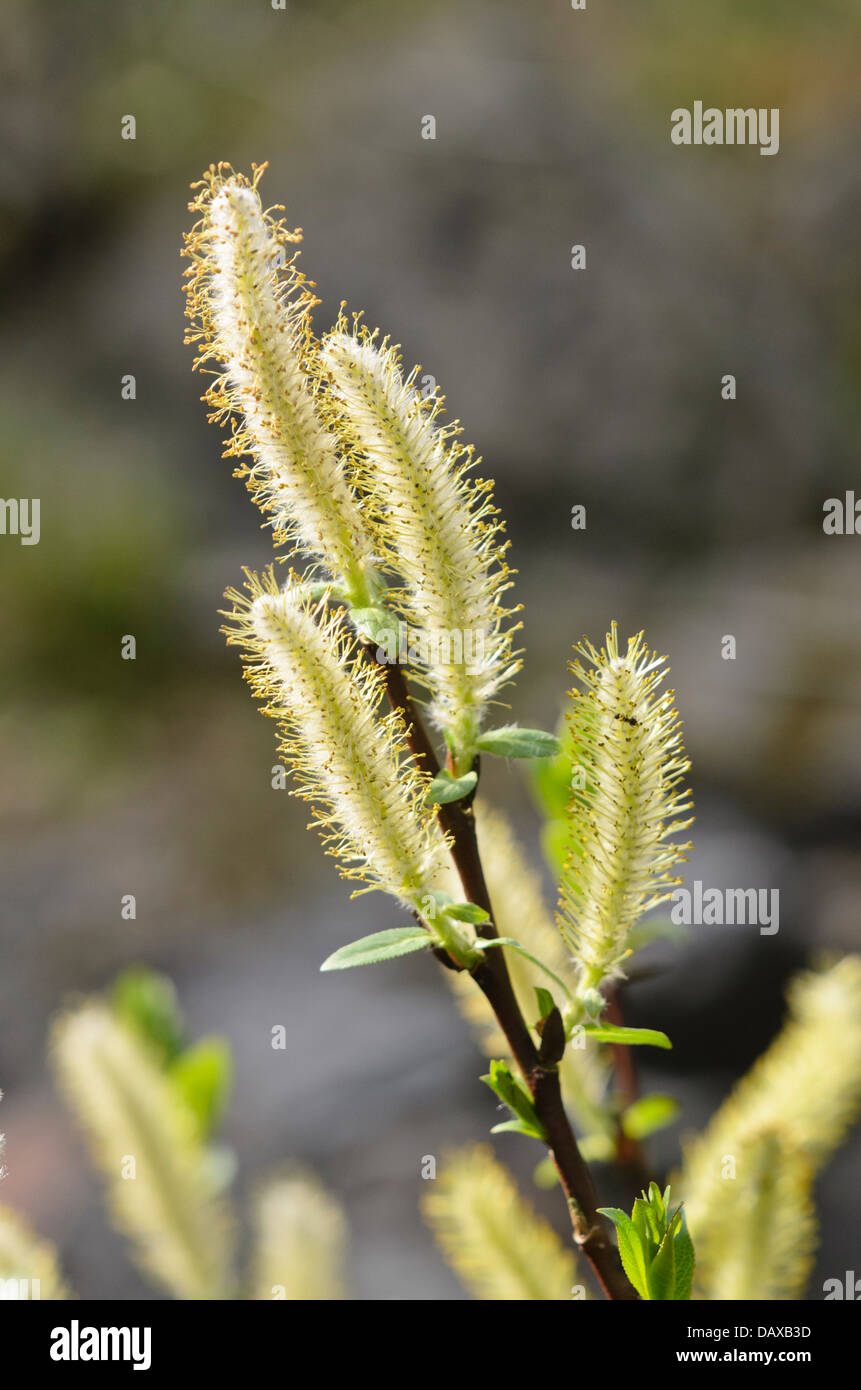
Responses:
[458,821]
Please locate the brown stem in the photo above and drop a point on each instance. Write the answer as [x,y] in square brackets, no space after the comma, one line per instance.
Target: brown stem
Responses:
[491,975]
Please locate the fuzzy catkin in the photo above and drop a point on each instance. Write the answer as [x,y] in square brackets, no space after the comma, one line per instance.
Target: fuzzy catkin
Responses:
[756,1238]
[627,802]
[250,310]
[300,1241]
[171,1210]
[368,797]
[26,1258]
[491,1237]
[433,528]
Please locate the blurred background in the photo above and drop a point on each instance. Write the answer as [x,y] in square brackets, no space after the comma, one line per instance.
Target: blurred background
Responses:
[599,387]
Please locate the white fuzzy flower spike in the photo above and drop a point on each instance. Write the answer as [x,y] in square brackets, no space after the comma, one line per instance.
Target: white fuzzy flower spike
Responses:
[250,310]
[432,527]
[169,1204]
[630,761]
[805,1091]
[369,799]
[499,1246]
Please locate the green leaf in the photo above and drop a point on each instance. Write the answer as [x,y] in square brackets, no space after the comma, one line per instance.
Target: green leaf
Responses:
[486,945]
[643,1220]
[510,741]
[631,1249]
[467,912]
[446,788]
[685,1261]
[146,1003]
[325,589]
[654,1246]
[650,1113]
[545,1175]
[202,1075]
[372,624]
[631,1037]
[383,945]
[512,1093]
[661,1274]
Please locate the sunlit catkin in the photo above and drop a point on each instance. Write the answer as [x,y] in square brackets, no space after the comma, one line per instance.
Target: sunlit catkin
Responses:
[434,529]
[353,765]
[807,1086]
[627,802]
[755,1231]
[250,311]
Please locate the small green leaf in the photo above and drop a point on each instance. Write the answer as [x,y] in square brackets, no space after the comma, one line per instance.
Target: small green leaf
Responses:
[661,1274]
[202,1075]
[372,624]
[146,1003]
[512,1093]
[467,912]
[325,589]
[640,1219]
[445,788]
[685,1261]
[631,1037]
[631,1249]
[510,741]
[546,1002]
[486,945]
[648,1114]
[383,945]
[518,1127]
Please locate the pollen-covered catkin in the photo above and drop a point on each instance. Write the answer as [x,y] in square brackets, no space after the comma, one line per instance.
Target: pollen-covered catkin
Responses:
[300,1241]
[494,1240]
[627,802]
[433,528]
[774,1133]
[172,1209]
[353,766]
